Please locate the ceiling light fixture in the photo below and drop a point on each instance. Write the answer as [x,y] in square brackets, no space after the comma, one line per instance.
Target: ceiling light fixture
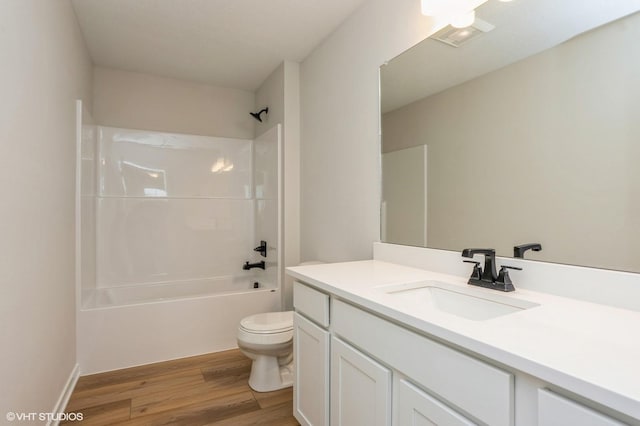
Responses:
[456,37]
[459,13]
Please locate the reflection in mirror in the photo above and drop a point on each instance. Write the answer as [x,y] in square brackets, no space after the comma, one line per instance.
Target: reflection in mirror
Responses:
[542,149]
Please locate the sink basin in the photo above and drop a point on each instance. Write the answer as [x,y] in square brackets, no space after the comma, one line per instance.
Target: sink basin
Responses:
[469,303]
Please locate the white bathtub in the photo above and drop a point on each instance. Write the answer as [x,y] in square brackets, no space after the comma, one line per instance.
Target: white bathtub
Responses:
[121,327]
[158,292]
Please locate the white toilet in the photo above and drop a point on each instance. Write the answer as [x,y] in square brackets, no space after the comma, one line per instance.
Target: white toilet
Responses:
[268,340]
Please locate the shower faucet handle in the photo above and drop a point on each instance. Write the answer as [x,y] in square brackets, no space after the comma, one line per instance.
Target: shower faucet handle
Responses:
[262,248]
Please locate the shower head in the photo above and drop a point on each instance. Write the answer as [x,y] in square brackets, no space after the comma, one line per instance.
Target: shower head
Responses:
[257,115]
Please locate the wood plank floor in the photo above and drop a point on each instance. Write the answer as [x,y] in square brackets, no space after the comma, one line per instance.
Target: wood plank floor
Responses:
[209,389]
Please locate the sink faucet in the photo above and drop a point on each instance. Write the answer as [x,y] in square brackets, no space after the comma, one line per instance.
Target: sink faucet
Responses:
[518,251]
[489,273]
[488,277]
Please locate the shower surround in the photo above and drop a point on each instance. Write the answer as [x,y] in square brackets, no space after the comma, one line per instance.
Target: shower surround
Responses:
[167,221]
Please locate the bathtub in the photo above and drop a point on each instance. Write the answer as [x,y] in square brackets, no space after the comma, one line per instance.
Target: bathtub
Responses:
[172,207]
[121,327]
[158,292]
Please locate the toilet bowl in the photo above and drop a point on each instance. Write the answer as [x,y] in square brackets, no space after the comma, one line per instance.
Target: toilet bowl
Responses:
[267,339]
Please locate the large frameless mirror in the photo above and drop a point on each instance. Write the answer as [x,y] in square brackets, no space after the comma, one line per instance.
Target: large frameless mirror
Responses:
[528,132]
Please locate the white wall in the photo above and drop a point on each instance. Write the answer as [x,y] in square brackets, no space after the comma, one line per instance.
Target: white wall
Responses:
[45,67]
[143,101]
[340,150]
[270,94]
[281,93]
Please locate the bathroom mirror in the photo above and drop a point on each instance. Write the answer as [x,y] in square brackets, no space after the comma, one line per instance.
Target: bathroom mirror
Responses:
[529,133]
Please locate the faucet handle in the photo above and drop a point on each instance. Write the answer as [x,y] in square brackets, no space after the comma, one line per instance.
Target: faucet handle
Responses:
[509,267]
[504,279]
[477,270]
[262,248]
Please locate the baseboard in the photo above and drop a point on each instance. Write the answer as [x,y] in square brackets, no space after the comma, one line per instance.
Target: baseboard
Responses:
[61,404]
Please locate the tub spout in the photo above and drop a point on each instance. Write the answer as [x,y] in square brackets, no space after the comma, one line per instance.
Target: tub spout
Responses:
[247,266]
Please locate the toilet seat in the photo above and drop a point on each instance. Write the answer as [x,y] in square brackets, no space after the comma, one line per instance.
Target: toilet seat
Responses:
[249,338]
[268,323]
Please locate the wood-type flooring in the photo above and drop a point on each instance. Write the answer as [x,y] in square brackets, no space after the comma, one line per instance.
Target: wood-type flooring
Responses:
[209,389]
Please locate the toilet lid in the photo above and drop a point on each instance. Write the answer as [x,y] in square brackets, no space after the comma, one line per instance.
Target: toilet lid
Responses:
[270,322]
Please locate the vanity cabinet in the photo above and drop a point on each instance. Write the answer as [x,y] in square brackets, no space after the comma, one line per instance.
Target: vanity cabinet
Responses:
[414,407]
[360,388]
[345,364]
[311,343]
[311,387]
[355,367]
[555,410]
[461,382]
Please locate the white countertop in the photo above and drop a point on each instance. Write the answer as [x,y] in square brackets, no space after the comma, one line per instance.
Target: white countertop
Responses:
[586,348]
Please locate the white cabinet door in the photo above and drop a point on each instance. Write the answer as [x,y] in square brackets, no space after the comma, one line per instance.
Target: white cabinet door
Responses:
[311,385]
[417,408]
[360,388]
[555,410]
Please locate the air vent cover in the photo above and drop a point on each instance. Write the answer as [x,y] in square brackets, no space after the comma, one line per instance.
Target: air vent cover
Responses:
[458,36]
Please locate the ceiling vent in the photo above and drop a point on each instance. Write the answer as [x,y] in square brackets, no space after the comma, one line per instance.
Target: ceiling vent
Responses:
[458,36]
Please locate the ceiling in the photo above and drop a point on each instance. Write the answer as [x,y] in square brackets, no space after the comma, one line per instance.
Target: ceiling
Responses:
[523,28]
[228,43]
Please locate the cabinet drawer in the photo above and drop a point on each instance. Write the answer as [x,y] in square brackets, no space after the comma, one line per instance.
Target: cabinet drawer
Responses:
[483,391]
[555,410]
[416,408]
[312,303]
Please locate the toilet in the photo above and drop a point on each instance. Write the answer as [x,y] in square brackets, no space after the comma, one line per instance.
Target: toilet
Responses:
[267,339]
